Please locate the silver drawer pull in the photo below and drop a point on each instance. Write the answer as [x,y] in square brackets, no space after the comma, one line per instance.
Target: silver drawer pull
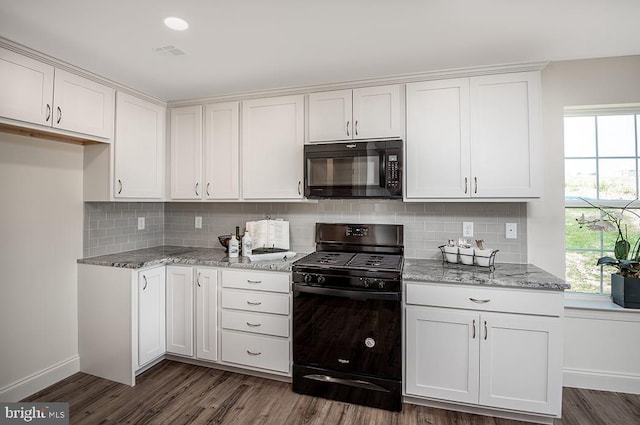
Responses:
[475,300]
[252,303]
[254,281]
[251,353]
[254,325]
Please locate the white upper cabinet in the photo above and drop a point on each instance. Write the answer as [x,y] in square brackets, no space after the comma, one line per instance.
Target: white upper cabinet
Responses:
[139,148]
[186,153]
[27,88]
[505,135]
[371,112]
[475,137]
[221,151]
[437,148]
[272,148]
[38,93]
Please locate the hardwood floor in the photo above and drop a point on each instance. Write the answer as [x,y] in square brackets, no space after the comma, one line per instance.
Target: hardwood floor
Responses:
[177,393]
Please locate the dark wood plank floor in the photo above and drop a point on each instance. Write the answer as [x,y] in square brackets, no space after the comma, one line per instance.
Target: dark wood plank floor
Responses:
[177,393]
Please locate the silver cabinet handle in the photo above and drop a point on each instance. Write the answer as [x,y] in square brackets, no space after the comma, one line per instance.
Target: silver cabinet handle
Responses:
[59,115]
[208,186]
[251,353]
[356,127]
[198,279]
[48,113]
[485,330]
[253,281]
[254,325]
[254,303]
[466,185]
[120,183]
[299,183]
[474,330]
[145,282]
[475,181]
[348,128]
[477,301]
[351,145]
[197,184]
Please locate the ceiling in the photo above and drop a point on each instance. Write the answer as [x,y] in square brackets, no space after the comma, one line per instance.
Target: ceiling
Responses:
[235,46]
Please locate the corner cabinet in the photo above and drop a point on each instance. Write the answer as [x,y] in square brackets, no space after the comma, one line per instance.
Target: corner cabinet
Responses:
[139,148]
[364,113]
[492,348]
[476,137]
[272,148]
[37,93]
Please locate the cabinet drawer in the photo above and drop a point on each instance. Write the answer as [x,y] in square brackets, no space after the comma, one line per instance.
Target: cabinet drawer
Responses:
[255,350]
[259,281]
[547,303]
[263,302]
[256,322]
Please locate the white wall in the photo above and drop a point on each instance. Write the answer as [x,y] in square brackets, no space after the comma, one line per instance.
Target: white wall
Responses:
[570,83]
[41,217]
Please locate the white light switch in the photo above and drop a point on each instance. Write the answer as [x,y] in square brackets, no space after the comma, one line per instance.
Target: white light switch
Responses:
[140,223]
[198,222]
[511,230]
[467,229]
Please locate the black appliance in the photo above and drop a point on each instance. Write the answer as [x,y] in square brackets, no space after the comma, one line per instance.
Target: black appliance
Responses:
[347,315]
[371,169]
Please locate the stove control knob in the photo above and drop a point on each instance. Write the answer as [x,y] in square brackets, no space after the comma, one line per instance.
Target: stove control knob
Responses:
[321,279]
[307,278]
[380,283]
[365,282]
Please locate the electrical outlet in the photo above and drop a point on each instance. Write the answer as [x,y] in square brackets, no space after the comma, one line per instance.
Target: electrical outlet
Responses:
[511,231]
[140,223]
[467,229]
[198,222]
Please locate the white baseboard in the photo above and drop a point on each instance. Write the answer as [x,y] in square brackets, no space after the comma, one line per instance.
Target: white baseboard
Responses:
[604,381]
[40,380]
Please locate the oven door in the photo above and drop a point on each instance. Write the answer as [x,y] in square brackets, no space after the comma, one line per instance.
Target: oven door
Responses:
[353,170]
[348,331]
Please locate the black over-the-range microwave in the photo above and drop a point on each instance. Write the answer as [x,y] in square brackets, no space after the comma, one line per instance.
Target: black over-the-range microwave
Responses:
[364,169]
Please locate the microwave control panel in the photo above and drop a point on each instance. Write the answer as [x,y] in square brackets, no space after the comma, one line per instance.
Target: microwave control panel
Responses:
[393,171]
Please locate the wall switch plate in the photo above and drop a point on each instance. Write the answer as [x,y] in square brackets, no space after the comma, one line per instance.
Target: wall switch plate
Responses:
[511,231]
[198,222]
[467,229]
[140,223]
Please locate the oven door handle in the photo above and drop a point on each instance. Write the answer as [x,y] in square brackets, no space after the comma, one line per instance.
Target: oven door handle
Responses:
[348,293]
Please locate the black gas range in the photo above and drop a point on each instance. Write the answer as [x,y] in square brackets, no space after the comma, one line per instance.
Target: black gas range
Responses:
[347,318]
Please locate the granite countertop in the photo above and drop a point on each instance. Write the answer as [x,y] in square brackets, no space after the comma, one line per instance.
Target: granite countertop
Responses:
[524,276]
[193,256]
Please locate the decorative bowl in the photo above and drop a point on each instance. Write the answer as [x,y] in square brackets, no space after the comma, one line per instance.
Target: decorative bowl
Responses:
[224,241]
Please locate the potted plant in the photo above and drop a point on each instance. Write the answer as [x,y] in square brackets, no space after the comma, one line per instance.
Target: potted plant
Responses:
[625,284]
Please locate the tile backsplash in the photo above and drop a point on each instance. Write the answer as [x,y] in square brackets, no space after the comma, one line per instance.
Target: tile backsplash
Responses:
[112,227]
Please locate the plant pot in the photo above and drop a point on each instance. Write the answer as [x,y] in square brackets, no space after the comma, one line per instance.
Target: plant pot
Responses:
[625,291]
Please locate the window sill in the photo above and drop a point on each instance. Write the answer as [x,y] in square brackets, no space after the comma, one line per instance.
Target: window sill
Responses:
[597,304]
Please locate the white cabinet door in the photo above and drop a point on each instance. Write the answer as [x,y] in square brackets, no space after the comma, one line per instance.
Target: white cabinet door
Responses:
[151,314]
[139,148]
[207,314]
[27,88]
[186,153]
[82,105]
[272,148]
[330,116]
[437,147]
[521,362]
[505,135]
[442,354]
[180,310]
[221,153]
[376,112]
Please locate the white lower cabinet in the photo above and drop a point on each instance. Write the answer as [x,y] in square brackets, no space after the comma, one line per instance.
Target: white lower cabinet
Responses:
[151,315]
[180,310]
[255,320]
[472,346]
[207,314]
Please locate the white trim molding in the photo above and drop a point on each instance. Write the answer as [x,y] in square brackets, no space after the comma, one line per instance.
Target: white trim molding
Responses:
[603,381]
[25,387]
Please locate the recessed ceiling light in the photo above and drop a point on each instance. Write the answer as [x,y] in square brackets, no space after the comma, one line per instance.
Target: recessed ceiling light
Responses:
[176,23]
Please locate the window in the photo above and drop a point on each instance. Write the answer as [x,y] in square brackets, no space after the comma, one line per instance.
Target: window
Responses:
[601,166]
